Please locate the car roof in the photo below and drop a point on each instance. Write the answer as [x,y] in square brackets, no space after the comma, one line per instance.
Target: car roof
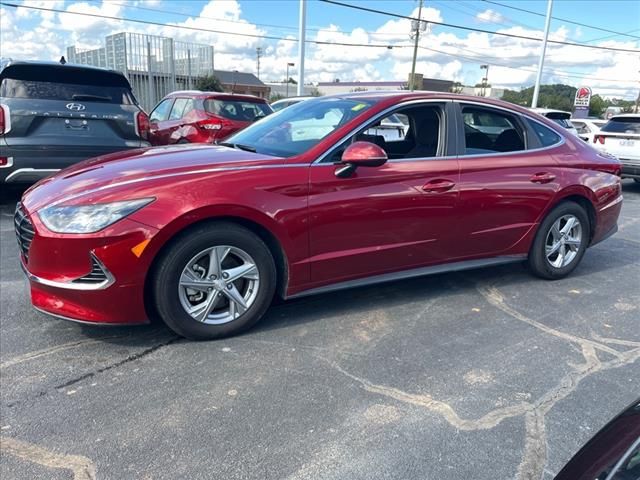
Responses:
[549,110]
[215,95]
[68,66]
[626,115]
[294,99]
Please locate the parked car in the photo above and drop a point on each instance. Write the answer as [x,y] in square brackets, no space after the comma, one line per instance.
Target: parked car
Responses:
[287,102]
[612,454]
[562,118]
[207,235]
[620,137]
[393,128]
[192,116]
[54,115]
[587,127]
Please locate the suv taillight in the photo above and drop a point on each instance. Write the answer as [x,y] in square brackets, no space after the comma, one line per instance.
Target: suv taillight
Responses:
[142,125]
[5,122]
[599,139]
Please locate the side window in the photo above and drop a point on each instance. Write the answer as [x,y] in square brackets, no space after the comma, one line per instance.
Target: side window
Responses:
[188,107]
[546,136]
[393,128]
[178,108]
[407,133]
[161,112]
[488,131]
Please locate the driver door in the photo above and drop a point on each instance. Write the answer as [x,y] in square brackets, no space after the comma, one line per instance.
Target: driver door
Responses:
[383,219]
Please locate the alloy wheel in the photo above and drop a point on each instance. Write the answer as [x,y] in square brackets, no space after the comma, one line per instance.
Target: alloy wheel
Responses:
[563,241]
[219,284]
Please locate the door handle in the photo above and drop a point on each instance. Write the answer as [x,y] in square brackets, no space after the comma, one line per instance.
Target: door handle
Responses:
[438,185]
[542,177]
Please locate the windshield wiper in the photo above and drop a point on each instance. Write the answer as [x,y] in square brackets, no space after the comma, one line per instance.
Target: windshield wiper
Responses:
[238,146]
[96,98]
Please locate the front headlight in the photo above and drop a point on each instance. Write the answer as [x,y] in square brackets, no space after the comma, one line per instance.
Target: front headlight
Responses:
[88,218]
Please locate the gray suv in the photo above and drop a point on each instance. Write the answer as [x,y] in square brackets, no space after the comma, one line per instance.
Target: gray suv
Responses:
[53,115]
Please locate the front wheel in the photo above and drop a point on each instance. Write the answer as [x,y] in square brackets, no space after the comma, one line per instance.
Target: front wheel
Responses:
[560,242]
[214,281]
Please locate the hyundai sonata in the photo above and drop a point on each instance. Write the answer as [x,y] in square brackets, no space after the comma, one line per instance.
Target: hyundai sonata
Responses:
[308,201]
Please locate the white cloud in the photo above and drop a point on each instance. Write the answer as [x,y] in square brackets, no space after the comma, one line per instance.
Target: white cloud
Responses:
[489,16]
[452,55]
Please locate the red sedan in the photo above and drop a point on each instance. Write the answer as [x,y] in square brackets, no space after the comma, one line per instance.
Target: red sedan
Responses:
[193,116]
[311,200]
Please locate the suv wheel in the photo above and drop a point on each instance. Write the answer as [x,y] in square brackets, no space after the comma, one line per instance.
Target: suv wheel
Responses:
[560,242]
[215,281]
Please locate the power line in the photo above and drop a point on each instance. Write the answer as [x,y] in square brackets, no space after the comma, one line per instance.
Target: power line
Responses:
[199,29]
[317,42]
[481,30]
[561,19]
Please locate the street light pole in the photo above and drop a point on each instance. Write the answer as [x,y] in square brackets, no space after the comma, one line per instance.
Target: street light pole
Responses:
[289,64]
[301,40]
[536,89]
[415,48]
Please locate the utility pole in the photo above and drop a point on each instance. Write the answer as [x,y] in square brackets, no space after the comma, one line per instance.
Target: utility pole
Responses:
[301,40]
[485,79]
[258,55]
[289,64]
[416,26]
[536,89]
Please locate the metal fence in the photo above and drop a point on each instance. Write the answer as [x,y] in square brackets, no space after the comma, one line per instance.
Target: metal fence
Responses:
[154,65]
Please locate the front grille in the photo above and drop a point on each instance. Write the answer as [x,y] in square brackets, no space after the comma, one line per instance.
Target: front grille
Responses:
[24,230]
[96,275]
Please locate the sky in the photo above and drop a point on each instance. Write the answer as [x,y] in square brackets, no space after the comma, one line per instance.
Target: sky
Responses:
[445,53]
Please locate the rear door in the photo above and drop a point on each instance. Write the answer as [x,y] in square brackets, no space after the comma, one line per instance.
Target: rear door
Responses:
[67,114]
[157,120]
[508,176]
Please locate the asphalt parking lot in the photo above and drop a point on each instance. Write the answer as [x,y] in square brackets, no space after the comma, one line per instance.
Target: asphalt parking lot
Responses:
[488,374]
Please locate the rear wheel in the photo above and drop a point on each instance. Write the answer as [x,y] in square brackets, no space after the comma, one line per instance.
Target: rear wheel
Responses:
[214,281]
[560,242]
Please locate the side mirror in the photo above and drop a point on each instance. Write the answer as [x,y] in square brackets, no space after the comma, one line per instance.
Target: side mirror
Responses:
[360,154]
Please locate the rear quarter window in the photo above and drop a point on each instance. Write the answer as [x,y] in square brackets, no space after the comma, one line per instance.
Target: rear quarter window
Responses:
[546,136]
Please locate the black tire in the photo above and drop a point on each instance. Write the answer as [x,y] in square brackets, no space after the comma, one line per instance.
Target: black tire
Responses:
[182,141]
[538,262]
[166,276]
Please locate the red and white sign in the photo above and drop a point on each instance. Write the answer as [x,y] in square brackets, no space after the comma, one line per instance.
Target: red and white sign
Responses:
[583,97]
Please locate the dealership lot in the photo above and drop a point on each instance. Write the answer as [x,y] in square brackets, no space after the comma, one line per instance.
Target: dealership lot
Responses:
[487,374]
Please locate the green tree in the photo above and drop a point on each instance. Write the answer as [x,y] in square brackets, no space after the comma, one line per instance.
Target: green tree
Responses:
[558,96]
[209,83]
[597,106]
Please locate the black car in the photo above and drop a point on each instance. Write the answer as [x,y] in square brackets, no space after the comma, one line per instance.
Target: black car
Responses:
[53,115]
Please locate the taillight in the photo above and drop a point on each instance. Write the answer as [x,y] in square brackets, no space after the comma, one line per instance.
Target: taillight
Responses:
[142,125]
[6,161]
[599,139]
[5,120]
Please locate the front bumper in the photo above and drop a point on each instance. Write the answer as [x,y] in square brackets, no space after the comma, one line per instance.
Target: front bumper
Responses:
[95,278]
[630,169]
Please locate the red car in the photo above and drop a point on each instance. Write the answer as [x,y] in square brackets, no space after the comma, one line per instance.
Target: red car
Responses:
[203,117]
[310,200]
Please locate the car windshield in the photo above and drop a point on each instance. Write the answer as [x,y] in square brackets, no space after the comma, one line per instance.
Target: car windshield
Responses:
[238,110]
[298,128]
[622,125]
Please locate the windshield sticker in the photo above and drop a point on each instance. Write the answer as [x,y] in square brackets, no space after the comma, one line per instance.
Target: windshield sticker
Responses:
[358,107]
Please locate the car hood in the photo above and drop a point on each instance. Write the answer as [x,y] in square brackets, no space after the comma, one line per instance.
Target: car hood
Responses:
[135,166]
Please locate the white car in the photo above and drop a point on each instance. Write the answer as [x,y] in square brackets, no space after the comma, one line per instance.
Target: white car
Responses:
[587,127]
[286,102]
[620,137]
[559,116]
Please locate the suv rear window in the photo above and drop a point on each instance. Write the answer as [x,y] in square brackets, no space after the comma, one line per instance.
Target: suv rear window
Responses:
[71,84]
[238,110]
[622,125]
[12,88]
[560,118]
